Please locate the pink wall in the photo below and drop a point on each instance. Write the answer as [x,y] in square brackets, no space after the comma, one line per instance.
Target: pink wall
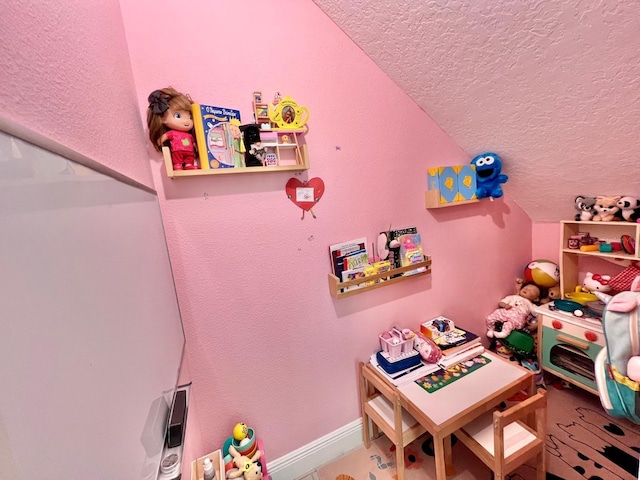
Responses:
[546,241]
[266,343]
[68,76]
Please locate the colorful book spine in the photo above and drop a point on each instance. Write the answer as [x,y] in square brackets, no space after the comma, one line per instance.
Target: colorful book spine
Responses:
[217,146]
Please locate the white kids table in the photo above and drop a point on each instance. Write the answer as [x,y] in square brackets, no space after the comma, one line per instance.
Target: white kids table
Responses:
[451,407]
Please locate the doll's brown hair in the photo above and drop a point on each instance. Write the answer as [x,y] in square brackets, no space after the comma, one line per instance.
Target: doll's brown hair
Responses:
[159,103]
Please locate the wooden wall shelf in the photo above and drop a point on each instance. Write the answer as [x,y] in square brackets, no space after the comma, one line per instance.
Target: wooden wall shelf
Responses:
[336,286]
[171,173]
[432,200]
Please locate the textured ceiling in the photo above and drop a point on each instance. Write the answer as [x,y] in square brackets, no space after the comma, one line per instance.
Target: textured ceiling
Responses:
[551,86]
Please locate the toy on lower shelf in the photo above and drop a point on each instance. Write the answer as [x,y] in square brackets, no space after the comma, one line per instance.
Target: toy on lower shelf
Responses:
[247,467]
[247,446]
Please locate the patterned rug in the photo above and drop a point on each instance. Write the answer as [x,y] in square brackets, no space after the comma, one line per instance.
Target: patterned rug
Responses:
[583,442]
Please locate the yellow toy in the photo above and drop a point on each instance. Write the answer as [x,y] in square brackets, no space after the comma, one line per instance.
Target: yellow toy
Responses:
[240,432]
[288,115]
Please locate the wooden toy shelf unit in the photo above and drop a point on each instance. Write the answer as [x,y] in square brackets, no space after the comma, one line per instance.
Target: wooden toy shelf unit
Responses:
[605,231]
[338,289]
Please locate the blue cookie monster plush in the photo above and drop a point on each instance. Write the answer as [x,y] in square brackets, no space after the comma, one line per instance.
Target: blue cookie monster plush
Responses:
[488,168]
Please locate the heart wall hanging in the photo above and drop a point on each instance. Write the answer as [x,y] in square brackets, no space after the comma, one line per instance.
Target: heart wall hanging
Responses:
[305,194]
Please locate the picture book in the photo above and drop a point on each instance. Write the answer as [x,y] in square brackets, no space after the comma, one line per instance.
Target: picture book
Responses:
[339,251]
[352,275]
[411,251]
[356,260]
[219,146]
[393,245]
[457,340]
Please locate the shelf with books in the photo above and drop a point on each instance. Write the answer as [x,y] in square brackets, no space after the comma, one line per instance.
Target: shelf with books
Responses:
[340,289]
[226,147]
[303,165]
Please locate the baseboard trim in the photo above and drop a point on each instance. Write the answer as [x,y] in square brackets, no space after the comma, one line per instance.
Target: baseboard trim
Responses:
[317,453]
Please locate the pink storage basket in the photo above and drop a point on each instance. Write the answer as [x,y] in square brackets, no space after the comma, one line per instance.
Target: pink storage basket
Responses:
[395,349]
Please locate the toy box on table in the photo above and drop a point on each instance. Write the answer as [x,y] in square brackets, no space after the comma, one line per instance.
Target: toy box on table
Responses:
[397,351]
[437,327]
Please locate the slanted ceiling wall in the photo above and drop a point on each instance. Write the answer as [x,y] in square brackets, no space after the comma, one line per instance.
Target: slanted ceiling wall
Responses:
[552,86]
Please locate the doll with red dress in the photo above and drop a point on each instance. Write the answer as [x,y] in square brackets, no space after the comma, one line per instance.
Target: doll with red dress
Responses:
[170,121]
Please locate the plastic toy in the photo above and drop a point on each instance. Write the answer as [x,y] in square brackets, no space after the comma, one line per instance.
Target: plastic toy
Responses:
[584,205]
[513,311]
[543,273]
[288,115]
[488,168]
[251,469]
[594,282]
[606,209]
[251,139]
[240,432]
[581,295]
[170,120]
[630,208]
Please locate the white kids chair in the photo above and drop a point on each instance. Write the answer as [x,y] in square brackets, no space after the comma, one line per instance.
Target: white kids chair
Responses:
[503,441]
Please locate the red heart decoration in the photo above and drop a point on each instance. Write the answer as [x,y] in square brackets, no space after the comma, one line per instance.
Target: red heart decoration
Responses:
[302,198]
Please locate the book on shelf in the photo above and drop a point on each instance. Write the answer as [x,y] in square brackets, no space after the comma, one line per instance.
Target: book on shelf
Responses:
[352,274]
[359,259]
[340,252]
[457,340]
[393,245]
[218,147]
[411,252]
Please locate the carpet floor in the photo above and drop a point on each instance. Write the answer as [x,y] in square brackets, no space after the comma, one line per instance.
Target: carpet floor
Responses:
[583,442]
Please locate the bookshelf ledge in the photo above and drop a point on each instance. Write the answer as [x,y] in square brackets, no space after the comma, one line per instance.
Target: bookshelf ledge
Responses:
[336,287]
[303,164]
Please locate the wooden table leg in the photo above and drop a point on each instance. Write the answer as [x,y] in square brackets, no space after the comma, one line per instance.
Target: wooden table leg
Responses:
[448,457]
[440,457]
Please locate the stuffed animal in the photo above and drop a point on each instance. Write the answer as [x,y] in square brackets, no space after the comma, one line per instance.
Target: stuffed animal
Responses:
[594,282]
[551,294]
[488,176]
[250,468]
[584,205]
[606,208]
[630,208]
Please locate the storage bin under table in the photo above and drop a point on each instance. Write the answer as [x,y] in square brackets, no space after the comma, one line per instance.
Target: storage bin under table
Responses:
[569,345]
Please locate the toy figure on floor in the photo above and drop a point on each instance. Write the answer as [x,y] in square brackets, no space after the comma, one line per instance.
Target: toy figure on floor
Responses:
[513,312]
[247,468]
[488,176]
[169,120]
